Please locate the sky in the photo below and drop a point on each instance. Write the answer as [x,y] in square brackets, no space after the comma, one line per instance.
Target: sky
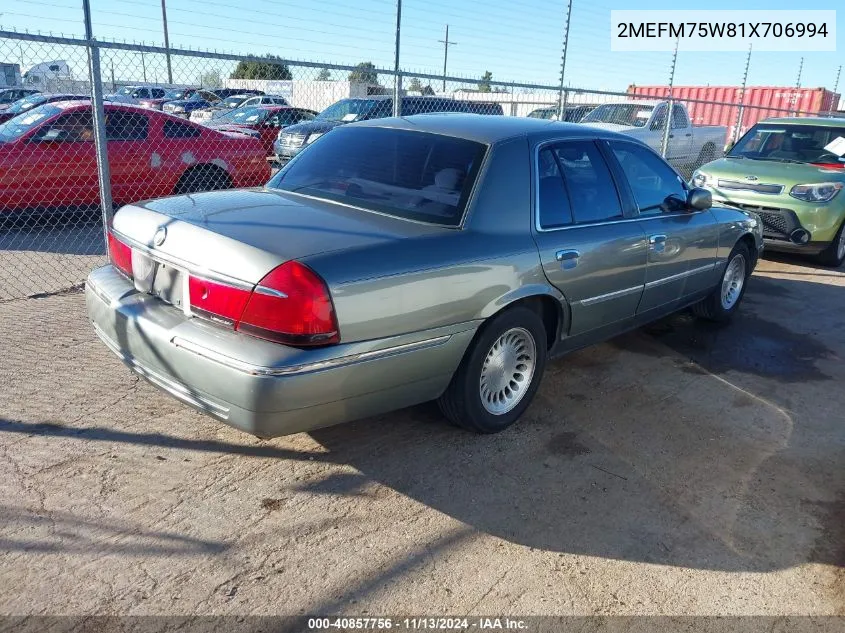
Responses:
[516,40]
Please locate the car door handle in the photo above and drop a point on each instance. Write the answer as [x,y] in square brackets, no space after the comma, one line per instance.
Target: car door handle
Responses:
[568,258]
[671,136]
[657,243]
[688,134]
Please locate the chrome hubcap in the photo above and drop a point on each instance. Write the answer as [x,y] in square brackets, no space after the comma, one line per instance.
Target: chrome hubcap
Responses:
[840,247]
[733,281]
[507,371]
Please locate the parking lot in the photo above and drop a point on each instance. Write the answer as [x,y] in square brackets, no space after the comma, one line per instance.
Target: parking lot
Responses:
[681,469]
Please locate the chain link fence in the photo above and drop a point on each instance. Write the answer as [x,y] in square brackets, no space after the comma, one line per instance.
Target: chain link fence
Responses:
[180,121]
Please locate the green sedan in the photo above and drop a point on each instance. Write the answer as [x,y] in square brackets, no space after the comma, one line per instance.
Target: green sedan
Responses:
[790,172]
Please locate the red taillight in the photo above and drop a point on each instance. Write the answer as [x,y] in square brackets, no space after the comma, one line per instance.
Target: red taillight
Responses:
[120,255]
[829,165]
[291,305]
[216,299]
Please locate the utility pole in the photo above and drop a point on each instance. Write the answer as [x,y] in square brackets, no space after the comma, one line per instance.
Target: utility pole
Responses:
[397,78]
[834,95]
[446,44]
[561,97]
[166,42]
[664,146]
[144,67]
[741,109]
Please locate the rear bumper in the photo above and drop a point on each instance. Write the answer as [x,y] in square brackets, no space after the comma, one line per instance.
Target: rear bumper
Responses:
[261,387]
[782,246]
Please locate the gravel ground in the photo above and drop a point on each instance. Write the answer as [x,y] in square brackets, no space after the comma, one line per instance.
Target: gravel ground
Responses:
[679,469]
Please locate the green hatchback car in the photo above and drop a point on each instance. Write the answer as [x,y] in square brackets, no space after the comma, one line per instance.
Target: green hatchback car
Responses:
[790,172]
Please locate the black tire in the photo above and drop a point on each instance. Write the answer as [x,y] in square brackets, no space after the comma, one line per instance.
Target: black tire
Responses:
[830,255]
[203,178]
[712,308]
[462,401]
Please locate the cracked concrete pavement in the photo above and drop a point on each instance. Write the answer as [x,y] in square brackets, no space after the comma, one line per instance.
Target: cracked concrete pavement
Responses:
[678,470]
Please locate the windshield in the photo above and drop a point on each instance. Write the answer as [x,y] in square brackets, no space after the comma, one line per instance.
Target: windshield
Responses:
[27,103]
[406,174]
[814,144]
[176,94]
[244,116]
[15,128]
[628,114]
[234,102]
[348,110]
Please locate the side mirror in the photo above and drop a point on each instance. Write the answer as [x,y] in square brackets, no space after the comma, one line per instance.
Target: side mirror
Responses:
[699,199]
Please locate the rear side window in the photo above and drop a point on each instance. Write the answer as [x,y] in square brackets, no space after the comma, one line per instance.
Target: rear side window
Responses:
[592,192]
[126,126]
[553,205]
[177,129]
[679,117]
[158,93]
[407,174]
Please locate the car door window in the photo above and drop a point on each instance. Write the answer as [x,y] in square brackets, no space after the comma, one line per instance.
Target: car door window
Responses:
[553,206]
[679,118]
[656,186]
[126,126]
[74,127]
[592,192]
[177,129]
[659,120]
[158,93]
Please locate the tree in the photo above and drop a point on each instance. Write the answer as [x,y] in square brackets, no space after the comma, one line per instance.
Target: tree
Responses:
[484,84]
[211,79]
[364,73]
[273,68]
[415,85]
[428,91]
[324,75]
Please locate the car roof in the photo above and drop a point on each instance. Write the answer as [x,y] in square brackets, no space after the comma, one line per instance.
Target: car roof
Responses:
[807,120]
[487,129]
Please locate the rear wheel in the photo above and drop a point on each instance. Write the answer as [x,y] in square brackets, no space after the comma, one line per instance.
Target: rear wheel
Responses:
[834,254]
[499,374]
[203,178]
[726,297]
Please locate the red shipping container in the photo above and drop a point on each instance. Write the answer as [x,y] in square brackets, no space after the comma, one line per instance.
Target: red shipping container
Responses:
[719,105]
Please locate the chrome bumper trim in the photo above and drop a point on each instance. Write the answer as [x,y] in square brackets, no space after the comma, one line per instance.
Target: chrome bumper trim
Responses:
[306,368]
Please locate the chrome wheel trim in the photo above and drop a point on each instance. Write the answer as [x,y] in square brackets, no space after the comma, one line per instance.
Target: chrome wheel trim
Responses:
[733,281]
[840,245]
[507,371]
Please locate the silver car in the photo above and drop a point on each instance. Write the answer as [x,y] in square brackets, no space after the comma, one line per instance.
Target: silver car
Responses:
[397,261]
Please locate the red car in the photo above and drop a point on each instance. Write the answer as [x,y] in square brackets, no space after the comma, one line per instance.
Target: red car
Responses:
[263,122]
[47,157]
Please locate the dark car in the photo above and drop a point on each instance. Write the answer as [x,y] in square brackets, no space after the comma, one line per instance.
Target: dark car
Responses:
[573,114]
[262,122]
[198,100]
[223,93]
[9,95]
[174,94]
[292,139]
[27,103]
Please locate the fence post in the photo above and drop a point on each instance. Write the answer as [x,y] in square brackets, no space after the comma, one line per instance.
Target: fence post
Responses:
[99,117]
[741,109]
[397,77]
[561,98]
[664,145]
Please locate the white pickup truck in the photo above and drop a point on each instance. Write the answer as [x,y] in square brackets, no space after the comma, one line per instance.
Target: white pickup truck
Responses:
[689,146]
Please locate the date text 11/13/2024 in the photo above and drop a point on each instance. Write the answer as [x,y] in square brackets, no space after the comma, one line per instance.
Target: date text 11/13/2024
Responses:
[416,623]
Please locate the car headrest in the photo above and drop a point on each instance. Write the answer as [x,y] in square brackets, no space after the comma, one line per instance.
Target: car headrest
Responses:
[447,178]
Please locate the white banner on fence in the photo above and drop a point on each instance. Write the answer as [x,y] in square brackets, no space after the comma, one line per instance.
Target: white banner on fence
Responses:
[704,30]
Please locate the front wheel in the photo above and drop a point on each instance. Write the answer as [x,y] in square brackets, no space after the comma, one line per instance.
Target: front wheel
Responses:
[834,254]
[721,304]
[499,374]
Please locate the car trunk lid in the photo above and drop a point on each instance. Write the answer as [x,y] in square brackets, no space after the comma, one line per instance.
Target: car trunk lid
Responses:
[242,235]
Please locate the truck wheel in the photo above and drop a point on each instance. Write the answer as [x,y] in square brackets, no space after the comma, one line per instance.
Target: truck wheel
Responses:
[499,374]
[834,254]
[721,304]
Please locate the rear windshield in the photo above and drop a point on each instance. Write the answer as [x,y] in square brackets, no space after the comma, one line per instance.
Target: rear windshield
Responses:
[815,144]
[628,114]
[15,128]
[406,174]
